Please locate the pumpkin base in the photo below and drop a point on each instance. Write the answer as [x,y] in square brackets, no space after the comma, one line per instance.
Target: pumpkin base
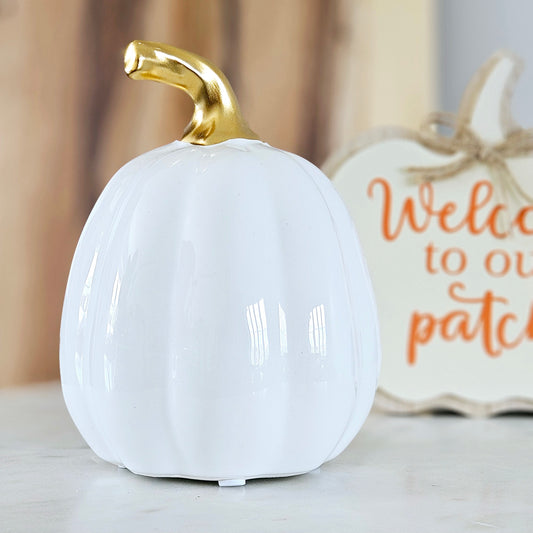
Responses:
[231,482]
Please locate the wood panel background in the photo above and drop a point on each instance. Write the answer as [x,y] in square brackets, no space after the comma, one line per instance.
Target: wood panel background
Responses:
[309,75]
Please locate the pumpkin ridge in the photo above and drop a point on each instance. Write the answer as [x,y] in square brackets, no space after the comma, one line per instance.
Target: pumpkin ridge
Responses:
[356,342]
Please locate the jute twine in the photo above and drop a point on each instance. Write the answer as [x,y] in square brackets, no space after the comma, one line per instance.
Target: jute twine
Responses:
[473,150]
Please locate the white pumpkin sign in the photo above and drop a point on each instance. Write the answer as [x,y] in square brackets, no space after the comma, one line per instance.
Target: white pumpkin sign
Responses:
[446,224]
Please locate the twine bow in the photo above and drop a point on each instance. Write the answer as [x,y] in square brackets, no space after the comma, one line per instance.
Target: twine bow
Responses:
[474,150]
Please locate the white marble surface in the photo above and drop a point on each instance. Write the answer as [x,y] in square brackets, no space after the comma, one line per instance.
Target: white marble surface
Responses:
[400,474]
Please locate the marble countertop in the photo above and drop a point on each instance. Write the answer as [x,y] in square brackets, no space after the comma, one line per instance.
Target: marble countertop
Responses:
[425,474]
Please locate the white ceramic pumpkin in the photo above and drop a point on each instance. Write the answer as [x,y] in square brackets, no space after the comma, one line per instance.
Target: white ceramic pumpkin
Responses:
[219,321]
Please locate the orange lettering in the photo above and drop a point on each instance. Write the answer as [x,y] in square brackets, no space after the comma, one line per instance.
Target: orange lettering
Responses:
[420,332]
[448,332]
[501,331]
[462,261]
[489,263]
[407,212]
[430,249]
[476,204]
[492,330]
[520,220]
[520,265]
[492,221]
[417,213]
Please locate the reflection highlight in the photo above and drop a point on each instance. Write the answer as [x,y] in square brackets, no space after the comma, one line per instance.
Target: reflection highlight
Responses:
[257,326]
[317,330]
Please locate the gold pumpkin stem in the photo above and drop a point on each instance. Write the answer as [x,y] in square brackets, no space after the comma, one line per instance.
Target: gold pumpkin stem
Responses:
[216,116]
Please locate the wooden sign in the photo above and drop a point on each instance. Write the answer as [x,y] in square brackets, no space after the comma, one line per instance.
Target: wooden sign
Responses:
[445,220]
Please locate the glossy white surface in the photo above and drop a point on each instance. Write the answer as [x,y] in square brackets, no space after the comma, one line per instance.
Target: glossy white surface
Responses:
[219,321]
[414,474]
